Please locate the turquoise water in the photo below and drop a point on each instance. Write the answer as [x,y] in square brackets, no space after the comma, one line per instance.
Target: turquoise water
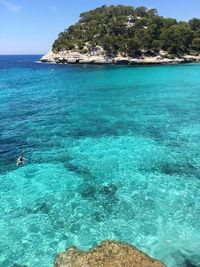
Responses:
[113,153]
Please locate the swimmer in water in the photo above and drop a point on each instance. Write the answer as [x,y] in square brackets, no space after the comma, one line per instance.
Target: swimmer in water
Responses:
[20,161]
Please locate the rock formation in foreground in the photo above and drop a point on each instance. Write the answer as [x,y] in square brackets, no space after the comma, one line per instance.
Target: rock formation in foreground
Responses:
[107,254]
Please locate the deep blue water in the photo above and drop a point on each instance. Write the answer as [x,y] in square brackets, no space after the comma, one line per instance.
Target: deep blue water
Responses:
[113,152]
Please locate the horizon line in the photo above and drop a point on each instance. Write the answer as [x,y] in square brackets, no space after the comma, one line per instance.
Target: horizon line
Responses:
[23,54]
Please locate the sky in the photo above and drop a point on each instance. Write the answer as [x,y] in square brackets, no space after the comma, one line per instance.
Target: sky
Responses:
[31,26]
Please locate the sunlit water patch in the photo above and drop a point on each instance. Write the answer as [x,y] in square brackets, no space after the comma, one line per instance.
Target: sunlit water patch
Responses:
[112,153]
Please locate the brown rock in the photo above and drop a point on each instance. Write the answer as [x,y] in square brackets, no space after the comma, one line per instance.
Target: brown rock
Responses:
[107,254]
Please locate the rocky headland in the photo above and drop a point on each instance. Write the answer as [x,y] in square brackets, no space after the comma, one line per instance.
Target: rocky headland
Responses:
[126,35]
[98,57]
[107,254]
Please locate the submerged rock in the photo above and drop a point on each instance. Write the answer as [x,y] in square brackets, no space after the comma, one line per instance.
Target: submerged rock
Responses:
[87,191]
[108,254]
[109,190]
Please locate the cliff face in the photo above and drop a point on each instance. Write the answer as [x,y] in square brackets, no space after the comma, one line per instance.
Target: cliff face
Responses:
[108,254]
[71,57]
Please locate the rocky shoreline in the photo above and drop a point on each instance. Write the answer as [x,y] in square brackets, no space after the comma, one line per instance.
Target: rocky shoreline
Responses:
[107,254]
[70,57]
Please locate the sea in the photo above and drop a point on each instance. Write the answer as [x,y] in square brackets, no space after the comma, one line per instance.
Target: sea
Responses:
[112,153]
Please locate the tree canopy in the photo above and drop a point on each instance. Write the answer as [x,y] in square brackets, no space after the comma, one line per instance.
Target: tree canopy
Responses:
[129,30]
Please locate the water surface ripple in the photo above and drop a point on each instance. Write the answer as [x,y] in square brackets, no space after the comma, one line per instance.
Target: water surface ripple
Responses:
[113,153]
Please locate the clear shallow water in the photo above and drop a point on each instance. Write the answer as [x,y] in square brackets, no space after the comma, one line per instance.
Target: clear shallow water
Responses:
[113,153]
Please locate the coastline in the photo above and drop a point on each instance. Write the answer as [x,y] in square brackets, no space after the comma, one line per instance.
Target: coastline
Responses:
[70,57]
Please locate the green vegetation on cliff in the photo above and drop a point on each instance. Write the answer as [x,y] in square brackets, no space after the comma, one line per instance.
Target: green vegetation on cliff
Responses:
[128,30]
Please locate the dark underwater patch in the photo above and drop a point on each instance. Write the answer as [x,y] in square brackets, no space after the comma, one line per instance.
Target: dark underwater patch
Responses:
[87,191]
[187,260]
[188,263]
[177,168]
[39,208]
[71,167]
[172,168]
[101,127]
[107,203]
[109,190]
[106,197]
[156,133]
[84,172]
[103,198]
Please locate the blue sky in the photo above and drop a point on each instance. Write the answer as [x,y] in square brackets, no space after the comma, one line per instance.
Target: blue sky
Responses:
[30,26]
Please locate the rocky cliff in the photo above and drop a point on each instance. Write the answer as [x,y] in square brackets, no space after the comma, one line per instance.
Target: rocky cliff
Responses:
[71,57]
